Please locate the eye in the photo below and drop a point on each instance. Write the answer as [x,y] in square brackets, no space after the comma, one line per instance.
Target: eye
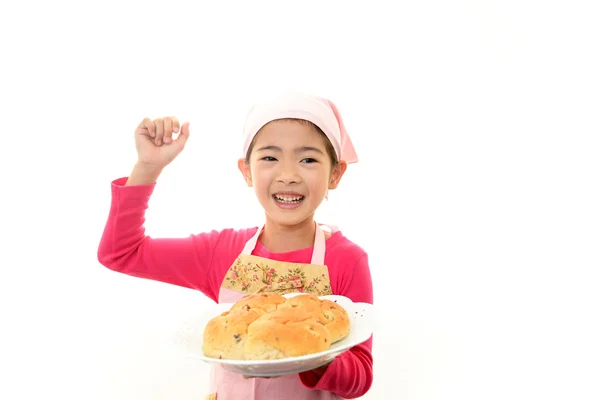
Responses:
[309,160]
[268,158]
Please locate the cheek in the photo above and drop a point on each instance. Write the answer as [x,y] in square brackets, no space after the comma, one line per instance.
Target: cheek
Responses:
[317,180]
[261,177]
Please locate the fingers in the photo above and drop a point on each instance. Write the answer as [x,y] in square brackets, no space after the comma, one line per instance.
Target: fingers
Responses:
[171,127]
[168,130]
[165,128]
[148,125]
[162,130]
[184,134]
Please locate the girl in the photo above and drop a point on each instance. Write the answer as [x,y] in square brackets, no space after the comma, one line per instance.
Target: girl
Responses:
[295,149]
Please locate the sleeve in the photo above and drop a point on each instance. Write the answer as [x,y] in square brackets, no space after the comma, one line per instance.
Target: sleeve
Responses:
[350,375]
[124,247]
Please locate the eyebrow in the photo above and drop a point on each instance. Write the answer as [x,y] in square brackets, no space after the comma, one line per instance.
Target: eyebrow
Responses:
[302,149]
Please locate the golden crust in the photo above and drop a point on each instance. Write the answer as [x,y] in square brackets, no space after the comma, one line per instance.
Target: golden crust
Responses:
[264,301]
[286,332]
[224,335]
[330,314]
[268,326]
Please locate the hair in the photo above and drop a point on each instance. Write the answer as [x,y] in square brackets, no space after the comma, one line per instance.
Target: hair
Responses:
[328,145]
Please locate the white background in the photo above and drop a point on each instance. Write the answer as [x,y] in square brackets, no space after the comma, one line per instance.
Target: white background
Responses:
[476,196]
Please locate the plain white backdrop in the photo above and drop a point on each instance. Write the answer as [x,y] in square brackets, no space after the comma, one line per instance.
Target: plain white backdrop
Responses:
[476,195]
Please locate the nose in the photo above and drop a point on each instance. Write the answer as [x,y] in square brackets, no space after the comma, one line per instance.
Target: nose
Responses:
[288,173]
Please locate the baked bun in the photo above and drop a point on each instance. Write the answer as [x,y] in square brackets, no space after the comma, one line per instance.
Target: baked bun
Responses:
[224,335]
[267,302]
[268,326]
[286,332]
[329,313]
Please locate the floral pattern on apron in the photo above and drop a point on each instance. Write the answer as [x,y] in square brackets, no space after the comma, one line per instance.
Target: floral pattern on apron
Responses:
[251,274]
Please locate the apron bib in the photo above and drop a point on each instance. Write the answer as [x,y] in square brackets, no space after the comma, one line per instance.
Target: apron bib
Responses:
[251,274]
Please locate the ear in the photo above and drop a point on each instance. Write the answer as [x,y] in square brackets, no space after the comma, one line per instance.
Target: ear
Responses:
[336,174]
[245,170]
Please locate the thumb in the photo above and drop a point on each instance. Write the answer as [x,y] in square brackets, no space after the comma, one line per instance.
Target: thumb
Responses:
[184,134]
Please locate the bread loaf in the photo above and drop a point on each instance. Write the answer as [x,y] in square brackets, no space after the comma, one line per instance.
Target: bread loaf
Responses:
[224,335]
[329,313]
[286,332]
[268,326]
[264,301]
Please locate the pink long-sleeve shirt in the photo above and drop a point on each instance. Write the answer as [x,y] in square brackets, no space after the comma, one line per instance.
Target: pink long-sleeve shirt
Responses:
[200,261]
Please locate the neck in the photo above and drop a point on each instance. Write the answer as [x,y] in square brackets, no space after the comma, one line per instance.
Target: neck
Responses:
[283,238]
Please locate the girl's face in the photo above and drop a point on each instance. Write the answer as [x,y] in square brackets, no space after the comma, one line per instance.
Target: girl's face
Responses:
[290,171]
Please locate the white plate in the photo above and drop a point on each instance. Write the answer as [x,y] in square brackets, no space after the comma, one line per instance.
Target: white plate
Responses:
[189,340]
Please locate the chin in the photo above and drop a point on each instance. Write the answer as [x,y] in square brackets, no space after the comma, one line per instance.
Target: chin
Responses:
[289,220]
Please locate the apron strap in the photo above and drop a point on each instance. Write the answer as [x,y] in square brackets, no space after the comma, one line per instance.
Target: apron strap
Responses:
[318,255]
[251,244]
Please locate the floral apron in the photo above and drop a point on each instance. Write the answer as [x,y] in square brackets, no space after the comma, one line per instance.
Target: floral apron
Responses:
[251,274]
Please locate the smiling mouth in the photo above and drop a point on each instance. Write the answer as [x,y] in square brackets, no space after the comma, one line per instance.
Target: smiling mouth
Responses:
[288,199]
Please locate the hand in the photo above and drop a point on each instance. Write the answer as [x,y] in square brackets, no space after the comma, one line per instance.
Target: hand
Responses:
[154,141]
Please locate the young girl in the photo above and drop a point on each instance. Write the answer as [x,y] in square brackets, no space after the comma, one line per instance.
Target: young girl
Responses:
[295,149]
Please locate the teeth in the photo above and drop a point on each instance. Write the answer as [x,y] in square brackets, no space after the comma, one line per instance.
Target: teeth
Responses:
[288,199]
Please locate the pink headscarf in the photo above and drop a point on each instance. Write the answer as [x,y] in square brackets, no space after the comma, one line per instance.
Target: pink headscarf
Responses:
[291,104]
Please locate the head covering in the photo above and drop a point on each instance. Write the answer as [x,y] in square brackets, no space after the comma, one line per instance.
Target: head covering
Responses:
[293,104]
